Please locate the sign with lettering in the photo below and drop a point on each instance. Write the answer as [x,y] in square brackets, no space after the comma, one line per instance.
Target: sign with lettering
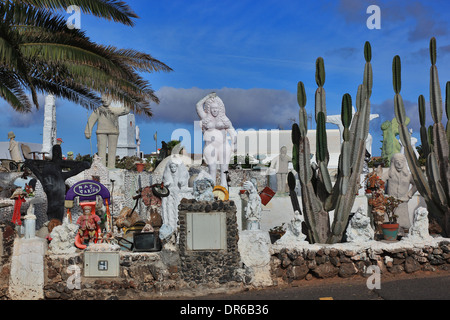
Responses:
[87,190]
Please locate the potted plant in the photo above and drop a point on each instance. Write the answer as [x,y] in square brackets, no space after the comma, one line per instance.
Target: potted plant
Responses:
[277,232]
[390,227]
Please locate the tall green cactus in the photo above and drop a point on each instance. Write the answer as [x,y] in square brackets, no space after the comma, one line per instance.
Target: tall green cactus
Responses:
[435,185]
[319,196]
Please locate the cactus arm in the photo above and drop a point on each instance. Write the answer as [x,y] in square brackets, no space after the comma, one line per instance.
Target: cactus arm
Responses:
[418,176]
[447,109]
[441,143]
[423,129]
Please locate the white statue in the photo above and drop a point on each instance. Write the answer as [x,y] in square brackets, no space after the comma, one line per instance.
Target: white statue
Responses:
[216,127]
[14,149]
[175,178]
[107,130]
[294,232]
[254,206]
[280,165]
[203,187]
[360,228]
[419,229]
[400,185]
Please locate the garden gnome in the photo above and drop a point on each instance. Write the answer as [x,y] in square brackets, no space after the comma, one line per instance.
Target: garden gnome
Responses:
[398,181]
[107,130]
[281,166]
[14,150]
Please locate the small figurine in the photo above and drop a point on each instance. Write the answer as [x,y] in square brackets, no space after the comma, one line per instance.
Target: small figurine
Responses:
[19,197]
[253,209]
[89,224]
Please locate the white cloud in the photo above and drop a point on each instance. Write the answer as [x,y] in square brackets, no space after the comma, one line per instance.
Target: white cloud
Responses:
[246,108]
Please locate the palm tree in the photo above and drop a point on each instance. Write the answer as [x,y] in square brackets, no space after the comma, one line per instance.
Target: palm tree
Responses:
[38,53]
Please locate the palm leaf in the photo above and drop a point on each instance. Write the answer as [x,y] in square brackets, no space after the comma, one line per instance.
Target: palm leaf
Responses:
[114,10]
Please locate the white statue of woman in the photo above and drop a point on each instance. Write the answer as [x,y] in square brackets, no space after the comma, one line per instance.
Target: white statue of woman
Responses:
[216,127]
[175,178]
[254,207]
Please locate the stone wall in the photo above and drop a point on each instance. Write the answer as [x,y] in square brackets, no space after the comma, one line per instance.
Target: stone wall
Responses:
[141,274]
[7,236]
[209,266]
[328,262]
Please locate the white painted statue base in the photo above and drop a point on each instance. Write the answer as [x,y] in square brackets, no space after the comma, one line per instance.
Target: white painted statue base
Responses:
[255,250]
[27,269]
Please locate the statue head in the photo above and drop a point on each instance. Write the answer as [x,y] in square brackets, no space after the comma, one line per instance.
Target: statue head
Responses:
[11,135]
[214,106]
[399,162]
[106,100]
[173,167]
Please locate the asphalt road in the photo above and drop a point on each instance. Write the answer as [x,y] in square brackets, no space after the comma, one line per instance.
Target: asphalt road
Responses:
[404,287]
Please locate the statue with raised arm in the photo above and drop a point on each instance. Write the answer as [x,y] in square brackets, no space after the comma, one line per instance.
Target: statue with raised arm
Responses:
[106,118]
[216,127]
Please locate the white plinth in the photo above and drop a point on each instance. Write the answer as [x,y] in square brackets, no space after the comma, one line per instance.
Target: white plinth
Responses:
[255,250]
[27,269]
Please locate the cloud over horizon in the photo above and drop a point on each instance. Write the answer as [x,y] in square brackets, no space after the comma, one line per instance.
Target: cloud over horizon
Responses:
[246,108]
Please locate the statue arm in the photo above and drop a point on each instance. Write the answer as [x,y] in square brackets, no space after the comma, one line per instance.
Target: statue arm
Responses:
[413,189]
[200,111]
[90,125]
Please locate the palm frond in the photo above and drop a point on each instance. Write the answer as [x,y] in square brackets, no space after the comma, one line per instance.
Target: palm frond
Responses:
[117,11]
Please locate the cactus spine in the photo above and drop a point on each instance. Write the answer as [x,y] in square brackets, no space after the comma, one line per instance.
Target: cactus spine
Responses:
[435,187]
[319,196]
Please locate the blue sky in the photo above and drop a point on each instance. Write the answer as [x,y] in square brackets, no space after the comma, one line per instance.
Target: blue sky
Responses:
[253,53]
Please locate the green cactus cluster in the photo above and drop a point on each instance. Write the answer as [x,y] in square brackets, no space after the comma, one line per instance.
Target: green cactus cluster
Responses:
[319,196]
[434,183]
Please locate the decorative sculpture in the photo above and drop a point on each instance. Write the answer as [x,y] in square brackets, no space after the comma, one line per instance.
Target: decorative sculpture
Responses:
[175,178]
[14,150]
[360,228]
[254,207]
[419,229]
[89,224]
[216,126]
[294,234]
[398,181]
[203,187]
[52,177]
[280,165]
[107,130]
